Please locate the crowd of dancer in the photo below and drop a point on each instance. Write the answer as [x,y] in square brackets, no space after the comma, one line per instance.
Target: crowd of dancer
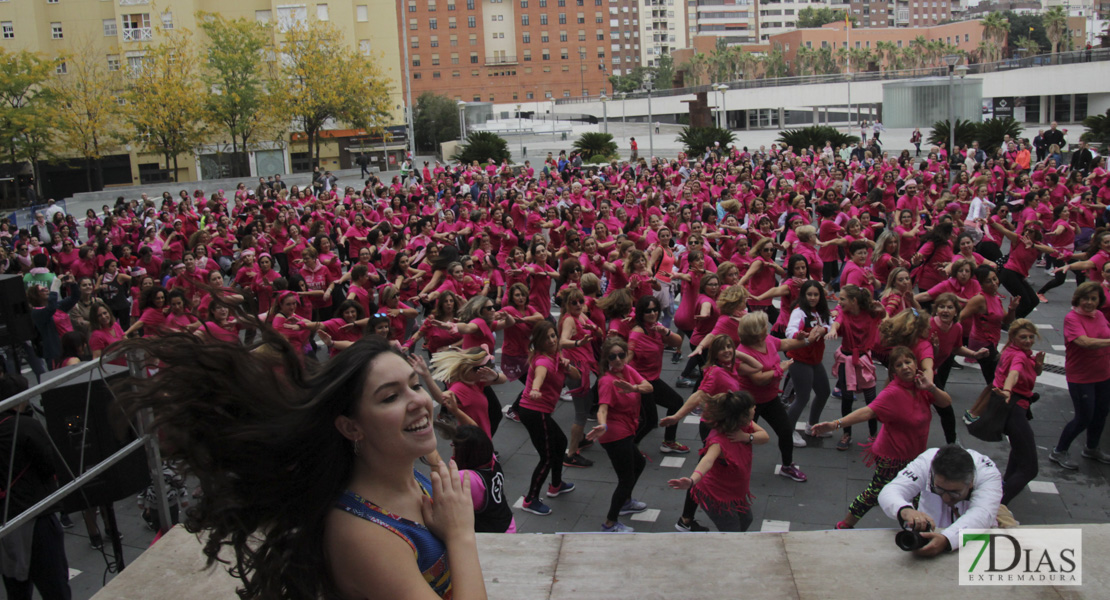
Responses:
[753,269]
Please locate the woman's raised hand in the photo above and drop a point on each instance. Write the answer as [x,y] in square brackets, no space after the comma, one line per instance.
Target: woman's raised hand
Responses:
[449,513]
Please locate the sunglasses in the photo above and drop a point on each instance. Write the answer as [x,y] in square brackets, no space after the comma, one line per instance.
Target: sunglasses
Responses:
[487,307]
[617,356]
[650,310]
[574,303]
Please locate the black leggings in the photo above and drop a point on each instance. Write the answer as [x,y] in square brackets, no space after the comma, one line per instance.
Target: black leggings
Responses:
[1021,466]
[49,570]
[662,395]
[493,405]
[830,272]
[1019,286]
[628,463]
[988,364]
[692,362]
[947,414]
[774,413]
[847,397]
[690,507]
[989,250]
[551,444]
[1060,277]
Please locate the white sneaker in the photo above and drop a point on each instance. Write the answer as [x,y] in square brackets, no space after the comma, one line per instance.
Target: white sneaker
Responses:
[565,396]
[809,432]
[798,441]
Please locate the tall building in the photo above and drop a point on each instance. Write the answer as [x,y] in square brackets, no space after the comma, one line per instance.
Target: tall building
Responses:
[122,30]
[518,50]
[663,28]
[902,13]
[736,21]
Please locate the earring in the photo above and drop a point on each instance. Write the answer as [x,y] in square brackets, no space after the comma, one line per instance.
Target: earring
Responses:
[356,447]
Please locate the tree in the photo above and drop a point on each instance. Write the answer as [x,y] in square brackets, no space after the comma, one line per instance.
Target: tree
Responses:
[887,55]
[593,144]
[165,102]
[664,73]
[26,106]
[482,146]
[1028,45]
[696,139]
[774,63]
[1056,27]
[810,17]
[435,118]
[1098,132]
[237,99]
[87,112]
[629,82]
[996,26]
[1026,25]
[323,81]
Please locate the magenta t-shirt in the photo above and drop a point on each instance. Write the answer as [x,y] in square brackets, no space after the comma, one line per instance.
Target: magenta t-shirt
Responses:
[624,407]
[550,389]
[770,361]
[947,341]
[1086,365]
[472,401]
[904,412]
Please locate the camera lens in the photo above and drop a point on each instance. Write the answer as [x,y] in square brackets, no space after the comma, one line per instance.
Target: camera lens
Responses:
[910,540]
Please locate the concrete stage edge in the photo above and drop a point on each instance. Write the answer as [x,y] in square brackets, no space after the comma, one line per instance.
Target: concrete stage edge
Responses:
[806,565]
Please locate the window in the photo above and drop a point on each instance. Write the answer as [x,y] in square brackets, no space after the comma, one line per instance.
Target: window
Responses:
[136,27]
[473,58]
[543,3]
[431,5]
[451,23]
[562,2]
[562,18]
[416,60]
[454,40]
[61,68]
[433,23]
[547,95]
[262,16]
[562,36]
[134,62]
[530,95]
[364,47]
[113,62]
[56,31]
[524,20]
[581,18]
[413,25]
[454,58]
[527,56]
[289,16]
[416,75]
[526,38]
[435,74]
[546,54]
[51,1]
[451,6]
[471,22]
[455,74]
[435,41]
[581,36]
[362,14]
[322,12]
[544,37]
[563,53]
[414,41]
[167,20]
[566,93]
[566,68]
[543,19]
[412,5]
[524,3]
[435,60]
[473,39]
[469,4]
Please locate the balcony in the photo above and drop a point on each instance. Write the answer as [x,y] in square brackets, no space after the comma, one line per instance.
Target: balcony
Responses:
[141,34]
[500,60]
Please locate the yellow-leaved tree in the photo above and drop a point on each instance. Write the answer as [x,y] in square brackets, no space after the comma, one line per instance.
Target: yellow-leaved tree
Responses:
[321,80]
[165,102]
[87,114]
[26,106]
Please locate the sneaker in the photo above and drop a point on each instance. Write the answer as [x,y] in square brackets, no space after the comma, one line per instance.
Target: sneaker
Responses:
[809,432]
[584,444]
[510,414]
[843,525]
[673,447]
[564,488]
[676,358]
[96,541]
[536,507]
[577,461]
[697,411]
[956,365]
[565,396]
[836,393]
[685,382]
[1042,298]
[968,419]
[792,471]
[617,527]
[1096,454]
[1062,459]
[67,523]
[798,441]
[633,506]
[692,527]
[970,360]
[844,443]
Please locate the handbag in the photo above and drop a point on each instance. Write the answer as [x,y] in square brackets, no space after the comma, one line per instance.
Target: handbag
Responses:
[993,411]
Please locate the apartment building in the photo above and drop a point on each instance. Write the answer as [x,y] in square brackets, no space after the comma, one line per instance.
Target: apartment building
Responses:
[122,31]
[902,13]
[518,50]
[663,28]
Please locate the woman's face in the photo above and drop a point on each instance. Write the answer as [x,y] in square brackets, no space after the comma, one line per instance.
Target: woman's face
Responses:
[617,357]
[86,287]
[394,415]
[946,311]
[848,304]
[549,342]
[903,282]
[1088,303]
[288,305]
[860,256]
[967,246]
[1024,339]
[905,368]
[103,316]
[725,354]
[265,264]
[991,284]
[540,254]
[382,329]
[458,272]
[964,274]
[350,314]
[905,219]
[177,305]
[651,314]
[519,298]
[574,307]
[813,296]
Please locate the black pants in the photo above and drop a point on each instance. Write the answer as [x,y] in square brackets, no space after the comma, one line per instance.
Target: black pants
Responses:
[493,405]
[847,397]
[947,414]
[661,395]
[1060,277]
[774,413]
[551,444]
[1021,466]
[988,364]
[1019,286]
[693,362]
[989,250]
[628,463]
[831,274]
[49,571]
[690,507]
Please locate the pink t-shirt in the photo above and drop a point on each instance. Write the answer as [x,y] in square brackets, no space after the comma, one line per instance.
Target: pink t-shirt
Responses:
[946,341]
[647,353]
[551,387]
[1014,359]
[624,407]
[904,412]
[1086,365]
[472,401]
[770,361]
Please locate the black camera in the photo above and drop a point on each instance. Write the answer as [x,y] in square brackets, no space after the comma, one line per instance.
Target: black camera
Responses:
[910,540]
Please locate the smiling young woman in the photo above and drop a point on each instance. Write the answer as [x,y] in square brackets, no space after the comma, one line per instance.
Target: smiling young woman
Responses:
[308,475]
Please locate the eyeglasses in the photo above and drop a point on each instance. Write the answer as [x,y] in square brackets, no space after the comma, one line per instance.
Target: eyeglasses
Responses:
[487,307]
[653,309]
[934,488]
[617,356]
[577,269]
[574,303]
[380,315]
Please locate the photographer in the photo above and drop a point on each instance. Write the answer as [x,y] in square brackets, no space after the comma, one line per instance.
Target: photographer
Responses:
[958,489]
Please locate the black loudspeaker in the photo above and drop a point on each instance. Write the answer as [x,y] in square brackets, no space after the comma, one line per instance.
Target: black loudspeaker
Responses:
[15,314]
[105,431]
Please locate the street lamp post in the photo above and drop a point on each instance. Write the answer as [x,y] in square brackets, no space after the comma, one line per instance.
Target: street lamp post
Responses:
[605,110]
[623,96]
[553,118]
[651,129]
[462,120]
[520,133]
[951,61]
[722,116]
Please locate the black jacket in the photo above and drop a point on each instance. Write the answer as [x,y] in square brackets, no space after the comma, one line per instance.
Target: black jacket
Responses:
[36,462]
[1054,136]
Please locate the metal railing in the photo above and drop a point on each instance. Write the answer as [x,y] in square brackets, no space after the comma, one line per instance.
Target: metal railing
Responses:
[1040,60]
[83,475]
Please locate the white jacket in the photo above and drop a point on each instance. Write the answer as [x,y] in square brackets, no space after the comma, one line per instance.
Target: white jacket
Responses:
[978,511]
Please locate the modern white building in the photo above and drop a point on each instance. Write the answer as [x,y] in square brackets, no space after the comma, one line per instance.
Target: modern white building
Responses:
[662,29]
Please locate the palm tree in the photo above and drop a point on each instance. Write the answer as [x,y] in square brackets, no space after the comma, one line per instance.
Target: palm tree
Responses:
[916,53]
[749,64]
[995,27]
[774,63]
[886,52]
[698,66]
[1055,22]
[862,58]
[804,60]
[826,62]
[990,50]
[1028,45]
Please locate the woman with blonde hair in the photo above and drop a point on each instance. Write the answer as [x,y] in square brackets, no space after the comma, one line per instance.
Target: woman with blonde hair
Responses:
[898,294]
[732,304]
[467,374]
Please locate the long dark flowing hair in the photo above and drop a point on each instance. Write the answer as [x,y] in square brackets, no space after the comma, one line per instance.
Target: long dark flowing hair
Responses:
[258,430]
